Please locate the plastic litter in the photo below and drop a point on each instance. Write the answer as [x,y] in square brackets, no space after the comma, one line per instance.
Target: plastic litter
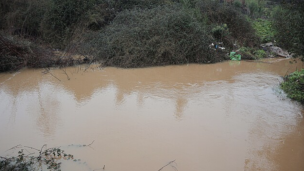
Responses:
[235,57]
[216,46]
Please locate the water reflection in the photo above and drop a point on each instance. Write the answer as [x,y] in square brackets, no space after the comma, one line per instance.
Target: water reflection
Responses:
[47,110]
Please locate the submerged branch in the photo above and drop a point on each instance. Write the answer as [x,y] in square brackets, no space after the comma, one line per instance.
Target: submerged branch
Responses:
[167,165]
[91,143]
[32,148]
[47,70]
[66,74]
[17,146]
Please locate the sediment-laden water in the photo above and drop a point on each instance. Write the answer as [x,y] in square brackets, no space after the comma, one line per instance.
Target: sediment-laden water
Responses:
[228,116]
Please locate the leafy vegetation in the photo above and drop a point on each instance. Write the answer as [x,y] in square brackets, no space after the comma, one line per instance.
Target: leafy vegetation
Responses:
[49,159]
[252,53]
[260,54]
[240,29]
[264,30]
[256,8]
[293,85]
[46,158]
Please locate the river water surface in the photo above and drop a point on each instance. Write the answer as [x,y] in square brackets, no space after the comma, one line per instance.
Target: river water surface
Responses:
[228,116]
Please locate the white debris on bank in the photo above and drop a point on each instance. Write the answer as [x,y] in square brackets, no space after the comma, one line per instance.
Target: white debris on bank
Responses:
[218,45]
[275,50]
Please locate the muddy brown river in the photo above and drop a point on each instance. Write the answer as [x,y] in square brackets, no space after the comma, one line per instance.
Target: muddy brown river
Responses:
[229,116]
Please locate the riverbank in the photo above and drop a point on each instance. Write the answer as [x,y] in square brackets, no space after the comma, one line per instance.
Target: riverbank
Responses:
[130,34]
[140,34]
[135,34]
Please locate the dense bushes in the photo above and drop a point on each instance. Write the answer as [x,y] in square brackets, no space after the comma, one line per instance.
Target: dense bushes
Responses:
[256,8]
[61,19]
[11,55]
[53,20]
[289,25]
[15,54]
[159,36]
[239,27]
[172,34]
[143,4]
[137,33]
[24,17]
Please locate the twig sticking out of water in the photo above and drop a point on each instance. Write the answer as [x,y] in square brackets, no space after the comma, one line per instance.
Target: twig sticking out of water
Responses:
[66,74]
[17,146]
[47,70]
[80,145]
[32,148]
[104,166]
[29,154]
[91,143]
[167,165]
[286,72]
[41,150]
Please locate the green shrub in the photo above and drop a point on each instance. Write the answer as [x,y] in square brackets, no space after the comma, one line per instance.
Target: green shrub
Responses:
[143,4]
[105,11]
[260,54]
[237,4]
[61,20]
[48,159]
[256,8]
[252,53]
[98,17]
[160,36]
[264,30]
[293,85]
[16,53]
[220,31]
[247,53]
[239,27]
[23,16]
